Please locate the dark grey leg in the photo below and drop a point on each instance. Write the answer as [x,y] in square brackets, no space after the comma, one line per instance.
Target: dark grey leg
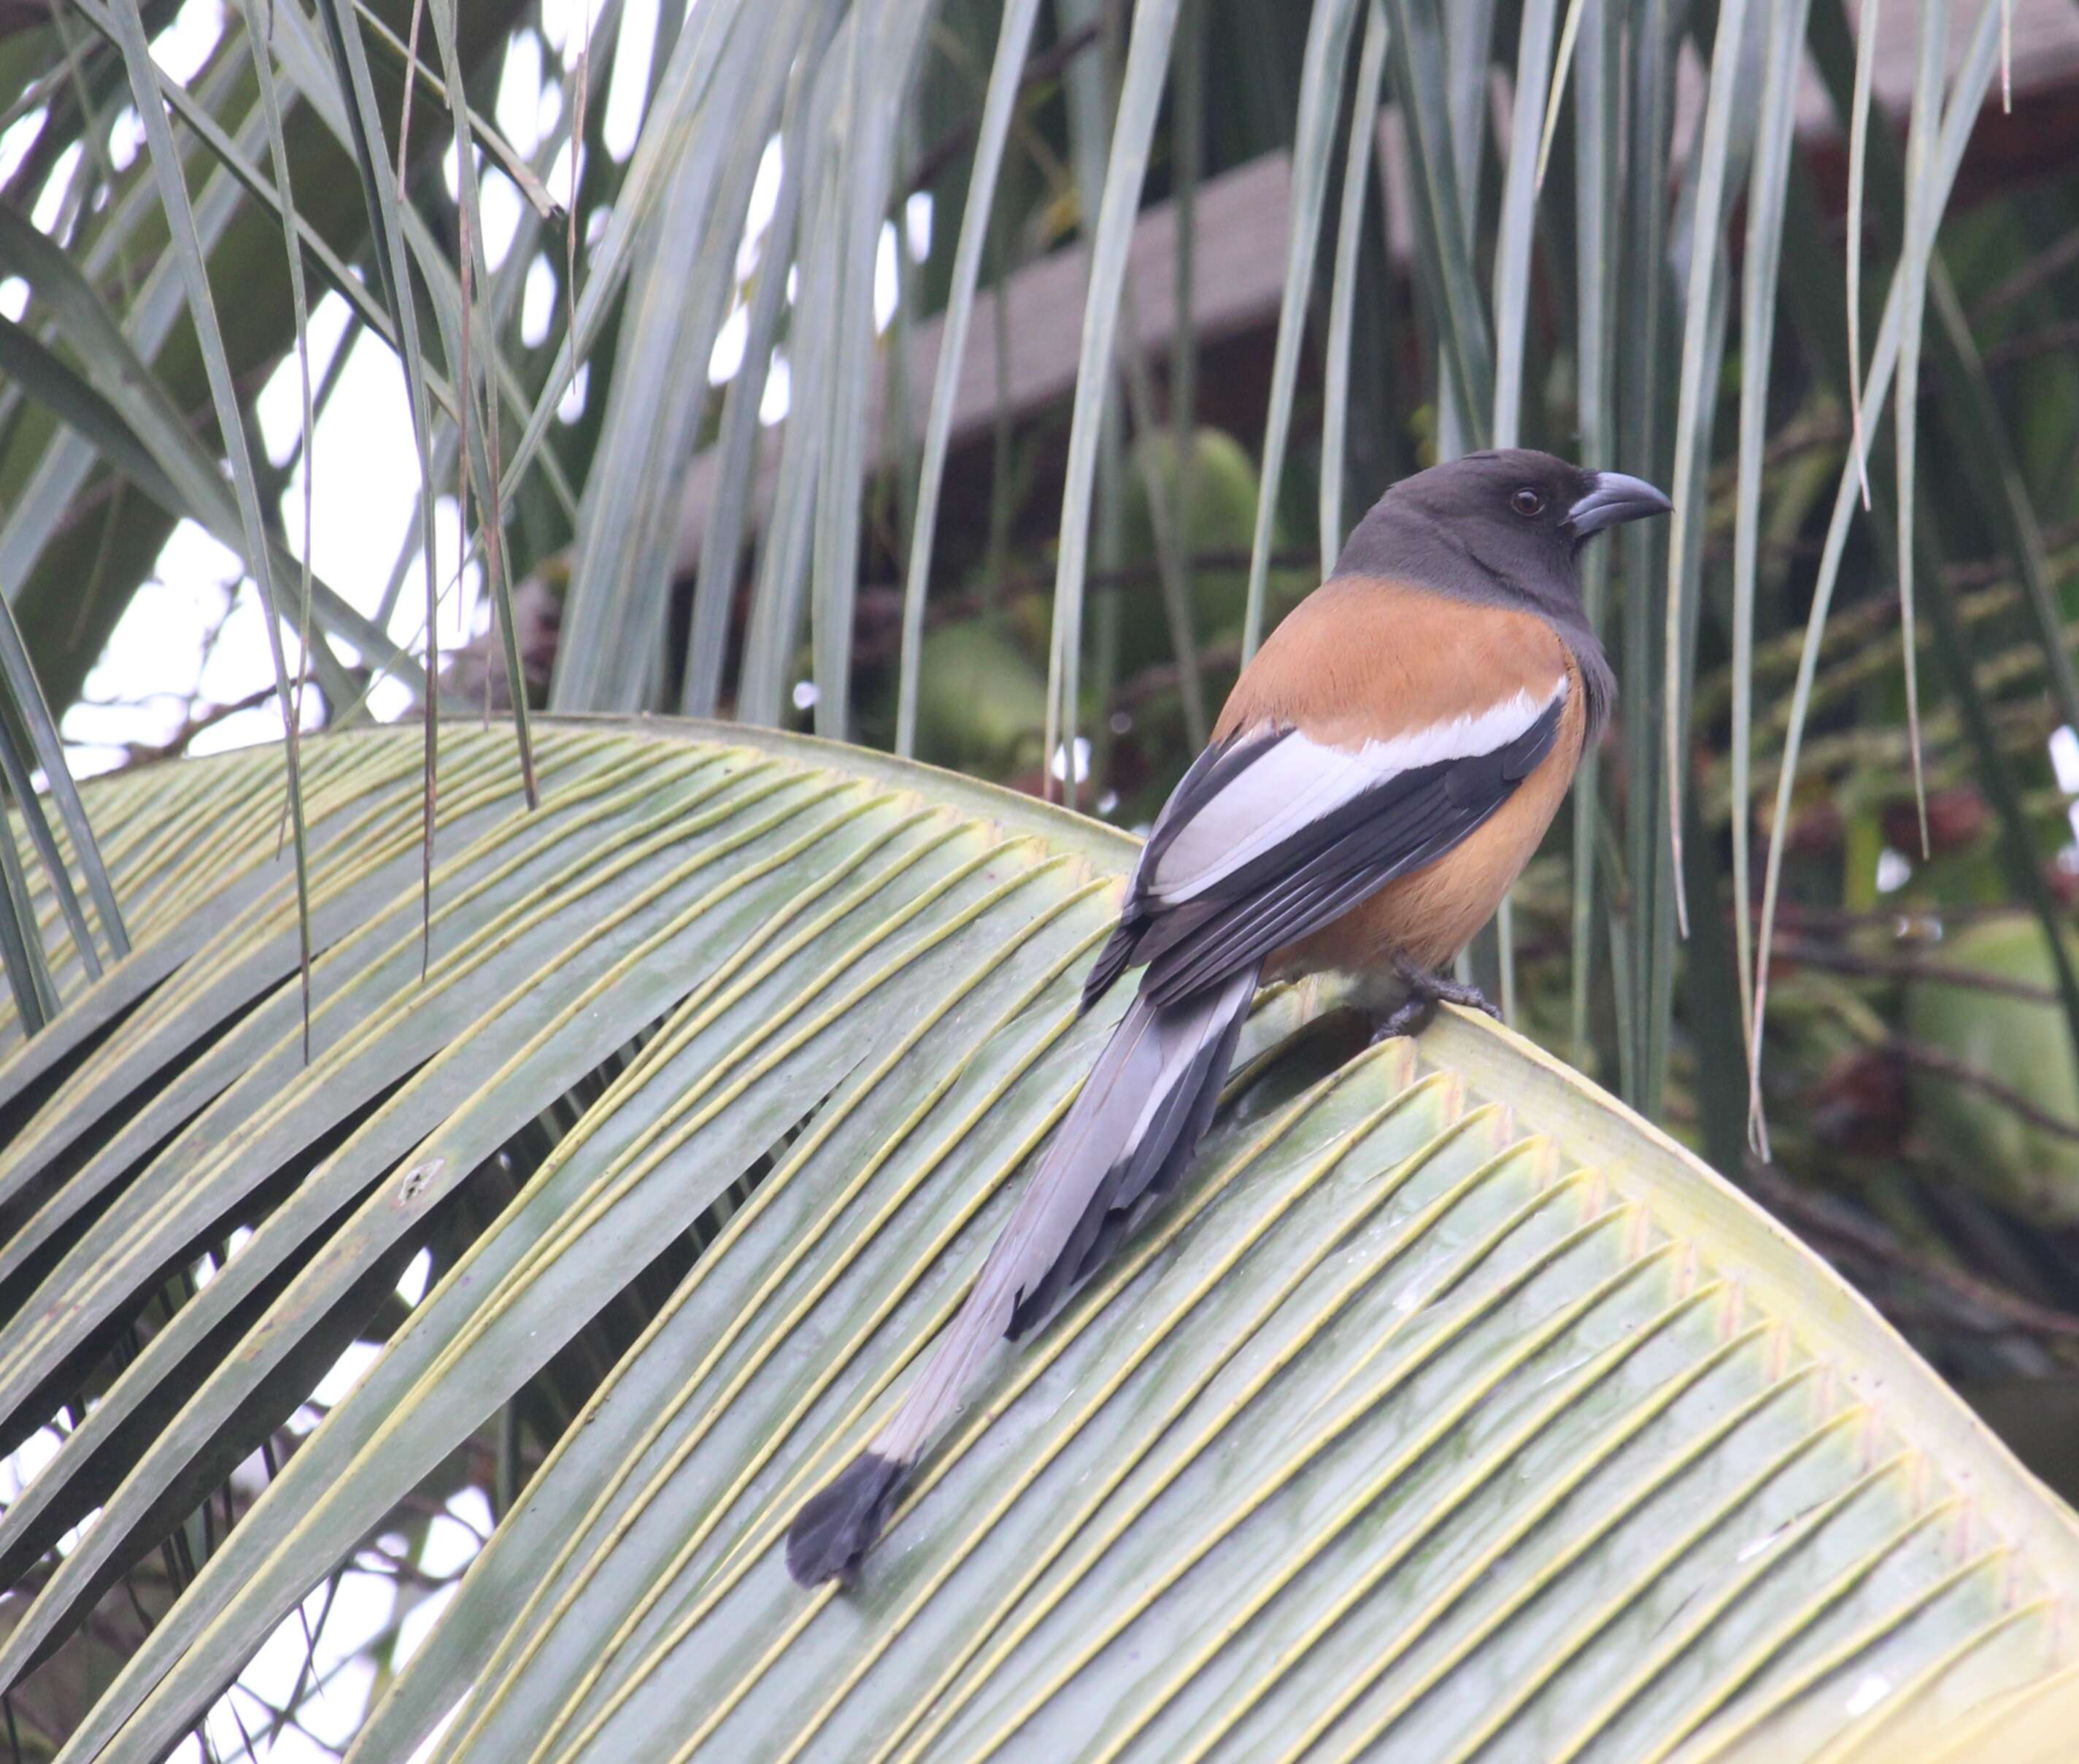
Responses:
[1425,992]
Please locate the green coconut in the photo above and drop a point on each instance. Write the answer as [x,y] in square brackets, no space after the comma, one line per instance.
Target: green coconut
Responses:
[2022,1043]
[1219,519]
[981,704]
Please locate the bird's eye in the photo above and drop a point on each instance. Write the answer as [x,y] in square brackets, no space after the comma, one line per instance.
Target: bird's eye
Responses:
[1527,502]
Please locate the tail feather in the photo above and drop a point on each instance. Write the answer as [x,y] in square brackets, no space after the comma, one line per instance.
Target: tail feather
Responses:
[837,1524]
[1133,1129]
[1162,1145]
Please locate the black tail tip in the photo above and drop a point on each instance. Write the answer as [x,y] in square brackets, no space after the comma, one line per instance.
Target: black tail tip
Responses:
[841,1522]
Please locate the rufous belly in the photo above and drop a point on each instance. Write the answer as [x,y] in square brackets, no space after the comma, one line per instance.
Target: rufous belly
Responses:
[1425,918]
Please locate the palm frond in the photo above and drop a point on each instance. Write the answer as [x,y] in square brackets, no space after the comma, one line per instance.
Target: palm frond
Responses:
[1402,1360]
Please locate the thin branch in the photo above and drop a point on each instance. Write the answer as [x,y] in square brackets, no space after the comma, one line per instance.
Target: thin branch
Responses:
[956,141]
[1835,960]
[1923,1058]
[1828,1218]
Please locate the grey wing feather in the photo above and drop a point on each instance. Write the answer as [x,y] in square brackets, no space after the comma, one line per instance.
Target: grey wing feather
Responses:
[1211,775]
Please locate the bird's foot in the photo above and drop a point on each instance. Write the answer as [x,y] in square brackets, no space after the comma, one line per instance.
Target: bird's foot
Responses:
[1425,992]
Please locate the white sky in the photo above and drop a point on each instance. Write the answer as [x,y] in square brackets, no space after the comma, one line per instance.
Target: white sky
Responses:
[194,633]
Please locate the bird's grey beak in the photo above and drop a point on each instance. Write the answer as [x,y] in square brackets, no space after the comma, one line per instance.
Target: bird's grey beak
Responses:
[1614,500]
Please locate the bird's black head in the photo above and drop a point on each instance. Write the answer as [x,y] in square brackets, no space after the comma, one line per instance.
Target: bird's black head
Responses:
[1503,528]
[1515,517]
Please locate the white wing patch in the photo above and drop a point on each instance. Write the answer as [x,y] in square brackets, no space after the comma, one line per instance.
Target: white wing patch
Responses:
[1300,780]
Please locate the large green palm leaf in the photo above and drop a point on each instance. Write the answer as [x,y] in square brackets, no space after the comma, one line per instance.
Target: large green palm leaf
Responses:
[1448,1407]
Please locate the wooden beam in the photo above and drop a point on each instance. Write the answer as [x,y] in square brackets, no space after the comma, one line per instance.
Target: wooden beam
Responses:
[1240,275]
[1241,234]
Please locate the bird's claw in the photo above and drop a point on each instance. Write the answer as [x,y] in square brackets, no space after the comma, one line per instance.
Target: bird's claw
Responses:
[1425,992]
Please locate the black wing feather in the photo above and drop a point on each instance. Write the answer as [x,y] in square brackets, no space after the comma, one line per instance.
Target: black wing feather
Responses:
[1212,771]
[1405,821]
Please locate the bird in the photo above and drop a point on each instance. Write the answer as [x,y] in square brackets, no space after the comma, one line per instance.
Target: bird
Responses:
[1385,766]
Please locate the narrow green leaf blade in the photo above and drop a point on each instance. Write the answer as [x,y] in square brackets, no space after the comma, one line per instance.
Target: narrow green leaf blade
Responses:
[1321,79]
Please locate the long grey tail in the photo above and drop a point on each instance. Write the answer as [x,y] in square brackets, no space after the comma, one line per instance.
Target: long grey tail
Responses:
[1130,1132]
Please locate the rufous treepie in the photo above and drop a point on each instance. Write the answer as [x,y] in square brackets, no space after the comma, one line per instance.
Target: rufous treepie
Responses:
[1383,769]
